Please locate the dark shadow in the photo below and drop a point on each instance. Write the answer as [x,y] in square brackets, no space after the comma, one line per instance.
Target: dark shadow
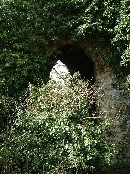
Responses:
[76,60]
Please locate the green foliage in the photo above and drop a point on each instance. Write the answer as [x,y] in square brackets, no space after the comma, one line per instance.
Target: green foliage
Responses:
[28,28]
[128,81]
[23,57]
[54,131]
[121,41]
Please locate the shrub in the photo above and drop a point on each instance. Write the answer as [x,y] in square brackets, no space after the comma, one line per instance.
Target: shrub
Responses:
[54,131]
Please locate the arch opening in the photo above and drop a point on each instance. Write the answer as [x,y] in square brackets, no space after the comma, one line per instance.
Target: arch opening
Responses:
[76,60]
[72,59]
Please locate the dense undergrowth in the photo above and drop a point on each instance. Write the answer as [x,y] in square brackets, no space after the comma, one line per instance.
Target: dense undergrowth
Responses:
[28,28]
[54,132]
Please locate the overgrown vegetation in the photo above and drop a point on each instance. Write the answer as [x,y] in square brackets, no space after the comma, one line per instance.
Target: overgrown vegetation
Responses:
[29,27]
[54,132]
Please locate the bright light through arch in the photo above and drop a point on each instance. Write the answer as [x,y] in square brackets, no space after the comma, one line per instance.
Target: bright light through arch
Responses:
[58,71]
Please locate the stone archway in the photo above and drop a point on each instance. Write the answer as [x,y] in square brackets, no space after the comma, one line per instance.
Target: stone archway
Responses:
[113,98]
[76,60]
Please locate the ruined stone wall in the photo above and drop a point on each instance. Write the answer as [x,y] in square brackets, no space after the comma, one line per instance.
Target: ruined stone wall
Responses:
[114,103]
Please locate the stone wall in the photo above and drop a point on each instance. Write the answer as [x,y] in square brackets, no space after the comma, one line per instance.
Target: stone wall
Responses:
[114,103]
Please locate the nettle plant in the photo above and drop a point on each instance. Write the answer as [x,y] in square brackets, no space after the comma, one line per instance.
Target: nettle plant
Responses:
[54,132]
